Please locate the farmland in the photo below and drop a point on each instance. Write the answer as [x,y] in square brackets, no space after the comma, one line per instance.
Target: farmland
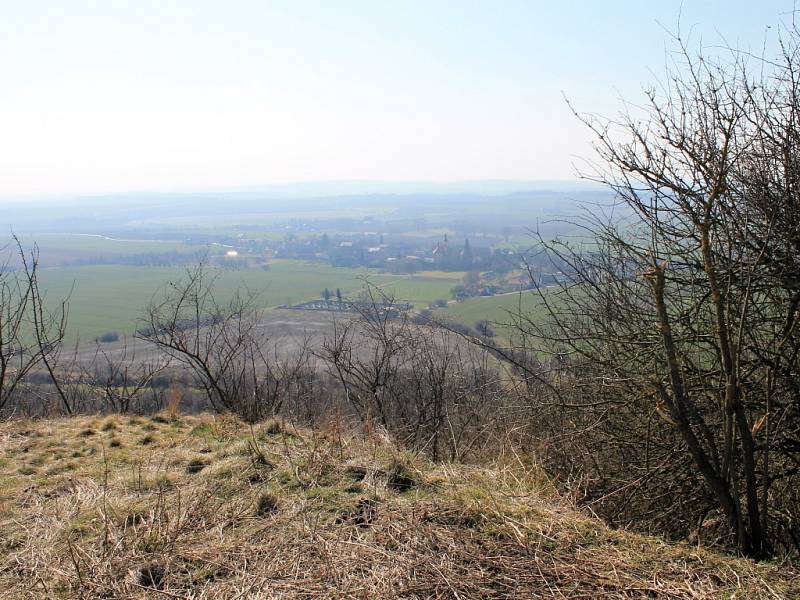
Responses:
[112,297]
[111,256]
[496,309]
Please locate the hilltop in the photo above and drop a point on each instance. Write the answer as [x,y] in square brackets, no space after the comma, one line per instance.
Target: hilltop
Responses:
[208,507]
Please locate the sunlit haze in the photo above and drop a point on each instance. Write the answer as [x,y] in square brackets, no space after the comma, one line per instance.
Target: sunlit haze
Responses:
[165,96]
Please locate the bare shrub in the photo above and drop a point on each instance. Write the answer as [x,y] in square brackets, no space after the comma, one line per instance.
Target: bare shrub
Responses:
[420,383]
[223,345]
[675,330]
[31,335]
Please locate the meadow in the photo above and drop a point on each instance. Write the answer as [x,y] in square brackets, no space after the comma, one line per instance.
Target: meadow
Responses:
[105,298]
[65,248]
[498,310]
[109,246]
[112,297]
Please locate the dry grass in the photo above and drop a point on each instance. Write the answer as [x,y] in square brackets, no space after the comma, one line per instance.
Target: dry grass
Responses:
[312,518]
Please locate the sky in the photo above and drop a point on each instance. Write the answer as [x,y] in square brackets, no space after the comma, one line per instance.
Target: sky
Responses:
[119,96]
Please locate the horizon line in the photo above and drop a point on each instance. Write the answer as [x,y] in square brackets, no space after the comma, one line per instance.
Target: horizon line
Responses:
[310,188]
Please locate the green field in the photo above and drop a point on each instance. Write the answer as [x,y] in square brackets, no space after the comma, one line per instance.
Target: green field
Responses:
[91,244]
[112,297]
[496,309]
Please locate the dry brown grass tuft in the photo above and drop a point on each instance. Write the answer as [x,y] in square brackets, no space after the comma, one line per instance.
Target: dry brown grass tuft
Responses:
[174,399]
[319,520]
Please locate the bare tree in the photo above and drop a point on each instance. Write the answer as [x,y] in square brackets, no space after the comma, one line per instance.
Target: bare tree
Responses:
[30,334]
[223,344]
[680,308]
[365,354]
[122,380]
[417,380]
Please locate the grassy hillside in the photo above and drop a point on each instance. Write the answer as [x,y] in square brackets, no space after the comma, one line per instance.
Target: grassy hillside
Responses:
[204,507]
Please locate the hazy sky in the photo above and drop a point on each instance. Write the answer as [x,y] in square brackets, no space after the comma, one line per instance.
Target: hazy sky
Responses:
[181,95]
